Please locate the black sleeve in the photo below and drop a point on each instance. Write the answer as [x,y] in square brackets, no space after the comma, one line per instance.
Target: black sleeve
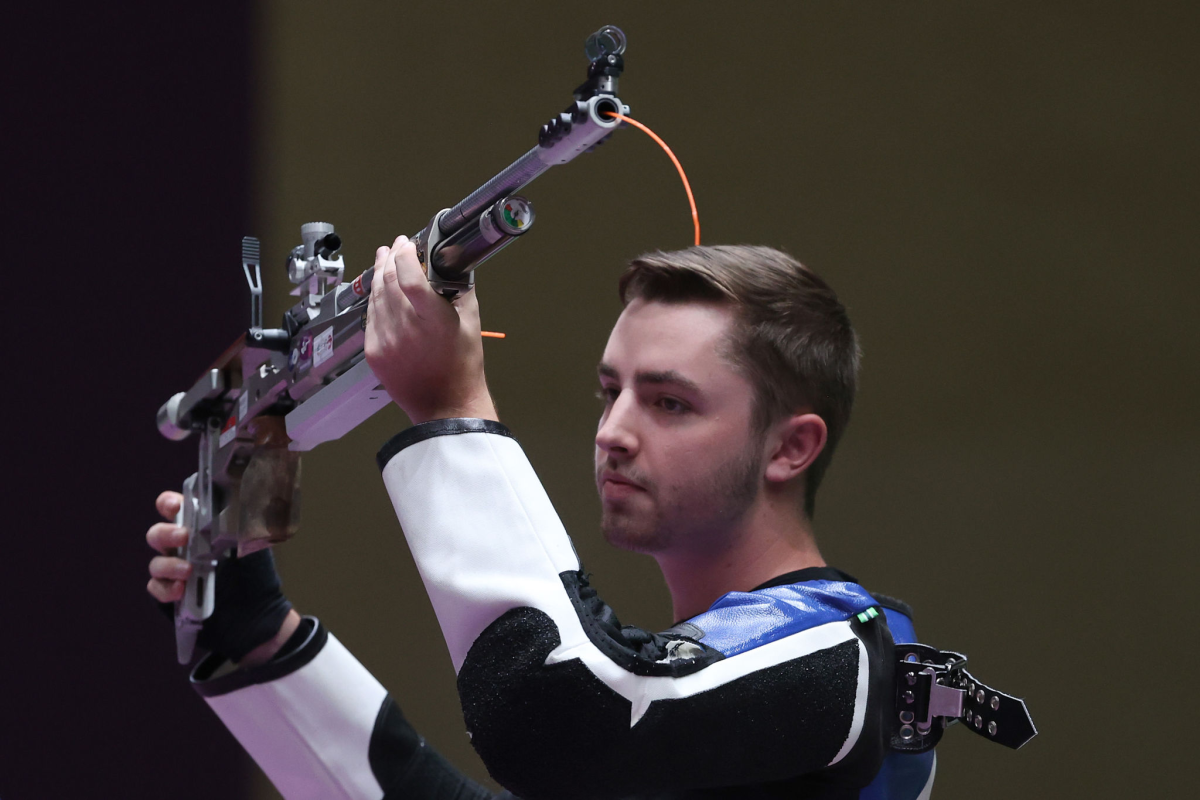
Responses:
[407,768]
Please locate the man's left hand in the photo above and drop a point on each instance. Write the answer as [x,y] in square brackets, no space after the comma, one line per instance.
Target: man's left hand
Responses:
[426,351]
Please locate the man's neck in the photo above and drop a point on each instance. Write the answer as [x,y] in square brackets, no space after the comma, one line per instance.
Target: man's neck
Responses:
[765,545]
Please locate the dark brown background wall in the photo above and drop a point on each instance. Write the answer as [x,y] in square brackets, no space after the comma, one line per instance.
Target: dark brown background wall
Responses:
[1003,194]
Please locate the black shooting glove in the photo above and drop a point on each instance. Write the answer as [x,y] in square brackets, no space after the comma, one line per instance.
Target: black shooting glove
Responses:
[249,609]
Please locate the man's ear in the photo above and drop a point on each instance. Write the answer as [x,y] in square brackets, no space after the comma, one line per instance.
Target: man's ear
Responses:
[795,443]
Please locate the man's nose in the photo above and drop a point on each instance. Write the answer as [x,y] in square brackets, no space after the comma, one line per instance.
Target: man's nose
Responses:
[617,435]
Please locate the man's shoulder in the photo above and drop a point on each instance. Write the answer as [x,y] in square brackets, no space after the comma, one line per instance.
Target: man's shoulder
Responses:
[742,621]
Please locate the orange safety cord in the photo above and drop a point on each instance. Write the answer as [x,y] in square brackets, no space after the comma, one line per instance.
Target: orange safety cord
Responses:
[687,186]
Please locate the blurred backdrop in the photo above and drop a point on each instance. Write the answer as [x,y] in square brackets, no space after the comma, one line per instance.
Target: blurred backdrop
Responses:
[1004,195]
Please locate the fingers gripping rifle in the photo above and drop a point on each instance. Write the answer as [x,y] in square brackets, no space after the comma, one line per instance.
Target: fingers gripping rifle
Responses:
[278,392]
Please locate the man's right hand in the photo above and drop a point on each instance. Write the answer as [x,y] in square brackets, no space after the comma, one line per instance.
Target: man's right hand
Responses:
[252,619]
[424,349]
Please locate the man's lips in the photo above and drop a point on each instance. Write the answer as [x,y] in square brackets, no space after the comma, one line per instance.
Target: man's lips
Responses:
[613,484]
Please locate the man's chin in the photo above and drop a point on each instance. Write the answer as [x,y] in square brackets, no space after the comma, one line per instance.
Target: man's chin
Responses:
[630,534]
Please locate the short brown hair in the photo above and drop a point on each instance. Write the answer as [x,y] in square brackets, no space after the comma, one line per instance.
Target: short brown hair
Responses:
[793,340]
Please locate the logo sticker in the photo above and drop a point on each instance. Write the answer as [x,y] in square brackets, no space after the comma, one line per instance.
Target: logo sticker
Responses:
[294,359]
[357,287]
[323,347]
[306,350]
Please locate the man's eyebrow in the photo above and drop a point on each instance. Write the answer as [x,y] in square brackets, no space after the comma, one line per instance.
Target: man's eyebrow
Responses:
[666,376]
[651,377]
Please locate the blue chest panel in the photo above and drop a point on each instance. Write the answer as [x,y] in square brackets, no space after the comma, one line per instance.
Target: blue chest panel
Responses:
[902,777]
[741,621]
[900,626]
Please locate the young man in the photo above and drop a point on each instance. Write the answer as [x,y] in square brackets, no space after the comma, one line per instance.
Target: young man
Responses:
[727,381]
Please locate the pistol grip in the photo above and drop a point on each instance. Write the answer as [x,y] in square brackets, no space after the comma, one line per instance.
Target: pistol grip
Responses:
[196,605]
[199,596]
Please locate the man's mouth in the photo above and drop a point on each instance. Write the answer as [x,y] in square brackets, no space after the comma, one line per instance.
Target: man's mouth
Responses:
[614,486]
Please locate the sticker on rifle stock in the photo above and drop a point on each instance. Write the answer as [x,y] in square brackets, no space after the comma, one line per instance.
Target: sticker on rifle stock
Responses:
[229,432]
[357,287]
[306,351]
[323,347]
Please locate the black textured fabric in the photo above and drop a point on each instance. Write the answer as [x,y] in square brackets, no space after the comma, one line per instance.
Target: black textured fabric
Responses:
[861,764]
[312,636]
[555,731]
[437,427]
[408,768]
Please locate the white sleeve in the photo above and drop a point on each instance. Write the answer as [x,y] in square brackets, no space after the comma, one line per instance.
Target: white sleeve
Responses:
[482,531]
[306,719]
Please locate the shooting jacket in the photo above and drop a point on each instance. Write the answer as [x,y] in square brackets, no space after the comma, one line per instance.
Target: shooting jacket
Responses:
[777,692]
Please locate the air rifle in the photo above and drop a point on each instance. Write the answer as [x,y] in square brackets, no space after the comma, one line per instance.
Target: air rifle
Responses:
[277,392]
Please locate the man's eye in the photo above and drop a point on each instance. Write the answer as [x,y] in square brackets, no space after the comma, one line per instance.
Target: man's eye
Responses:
[608,395]
[671,405]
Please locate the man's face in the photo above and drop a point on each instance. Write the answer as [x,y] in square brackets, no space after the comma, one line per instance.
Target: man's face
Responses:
[677,465]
